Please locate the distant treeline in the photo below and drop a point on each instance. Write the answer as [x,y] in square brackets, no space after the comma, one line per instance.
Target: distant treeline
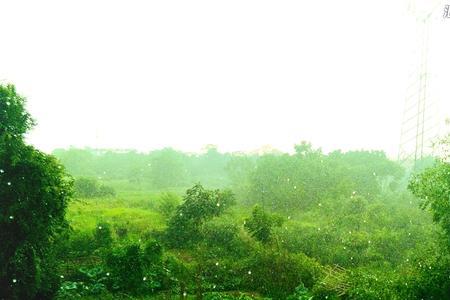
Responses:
[159,169]
[278,180]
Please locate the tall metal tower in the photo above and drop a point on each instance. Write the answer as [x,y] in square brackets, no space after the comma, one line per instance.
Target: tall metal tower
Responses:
[420,124]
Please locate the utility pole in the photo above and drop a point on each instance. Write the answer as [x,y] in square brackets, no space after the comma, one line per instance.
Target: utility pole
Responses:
[420,124]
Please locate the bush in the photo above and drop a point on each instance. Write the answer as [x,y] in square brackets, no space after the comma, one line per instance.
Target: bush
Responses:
[260,224]
[126,268]
[90,188]
[168,203]
[199,206]
[102,235]
[301,293]
[135,270]
[153,252]
[277,274]
[221,238]
[79,244]
[87,282]
[221,274]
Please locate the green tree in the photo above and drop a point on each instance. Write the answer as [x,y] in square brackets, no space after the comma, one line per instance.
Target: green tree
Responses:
[260,224]
[168,169]
[90,187]
[199,206]
[433,187]
[34,191]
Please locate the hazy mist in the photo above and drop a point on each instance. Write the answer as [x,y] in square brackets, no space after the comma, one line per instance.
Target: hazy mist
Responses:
[238,74]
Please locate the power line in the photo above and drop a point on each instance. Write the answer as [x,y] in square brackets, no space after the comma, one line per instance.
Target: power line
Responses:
[418,116]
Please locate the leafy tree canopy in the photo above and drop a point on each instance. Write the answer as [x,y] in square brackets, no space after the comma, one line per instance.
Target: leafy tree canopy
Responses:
[34,190]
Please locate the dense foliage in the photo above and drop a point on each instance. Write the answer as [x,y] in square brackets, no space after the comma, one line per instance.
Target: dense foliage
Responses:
[307,225]
[34,190]
[302,225]
[90,187]
[199,205]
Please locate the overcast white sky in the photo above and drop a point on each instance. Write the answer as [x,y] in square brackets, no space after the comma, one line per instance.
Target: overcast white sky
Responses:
[239,74]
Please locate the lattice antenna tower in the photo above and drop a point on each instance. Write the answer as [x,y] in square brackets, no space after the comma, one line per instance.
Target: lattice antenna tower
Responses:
[419,120]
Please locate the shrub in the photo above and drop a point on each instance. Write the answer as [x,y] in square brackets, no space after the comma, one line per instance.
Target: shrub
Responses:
[168,203]
[277,274]
[260,224]
[221,238]
[87,282]
[135,270]
[126,268]
[199,206]
[90,188]
[102,235]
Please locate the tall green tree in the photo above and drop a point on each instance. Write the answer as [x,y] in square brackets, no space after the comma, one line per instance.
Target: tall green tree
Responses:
[199,206]
[34,191]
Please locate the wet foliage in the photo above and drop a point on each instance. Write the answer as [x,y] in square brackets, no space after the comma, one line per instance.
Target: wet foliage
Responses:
[167,224]
[34,192]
